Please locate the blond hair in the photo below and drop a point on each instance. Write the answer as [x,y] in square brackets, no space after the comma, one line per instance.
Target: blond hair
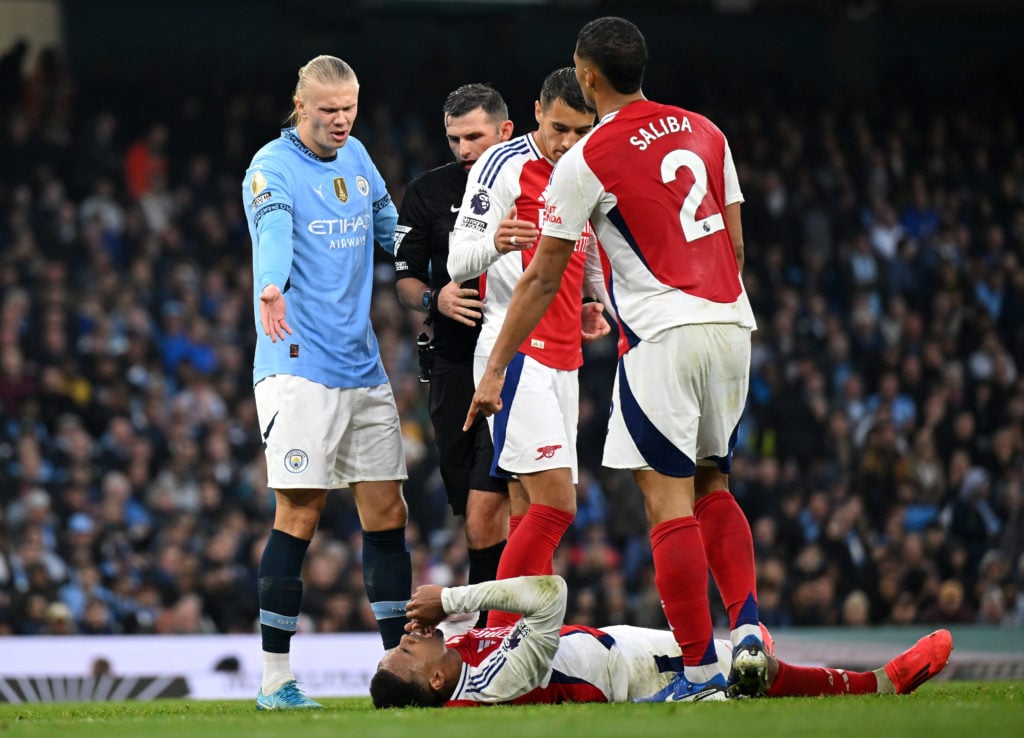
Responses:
[325,70]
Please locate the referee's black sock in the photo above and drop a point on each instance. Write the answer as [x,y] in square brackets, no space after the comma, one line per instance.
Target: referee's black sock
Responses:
[483,567]
[387,575]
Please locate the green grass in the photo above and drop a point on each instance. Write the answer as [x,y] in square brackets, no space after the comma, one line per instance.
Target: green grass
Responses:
[990,709]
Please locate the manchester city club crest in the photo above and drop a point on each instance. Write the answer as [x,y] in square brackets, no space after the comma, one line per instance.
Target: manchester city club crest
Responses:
[362,185]
[341,189]
[296,461]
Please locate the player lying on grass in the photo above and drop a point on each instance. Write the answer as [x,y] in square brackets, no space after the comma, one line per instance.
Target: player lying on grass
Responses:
[539,660]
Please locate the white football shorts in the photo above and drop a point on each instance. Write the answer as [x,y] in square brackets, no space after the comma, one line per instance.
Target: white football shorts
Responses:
[650,658]
[536,427]
[318,437]
[678,399]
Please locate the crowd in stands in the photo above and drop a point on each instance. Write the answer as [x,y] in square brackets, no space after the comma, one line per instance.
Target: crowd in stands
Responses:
[880,461]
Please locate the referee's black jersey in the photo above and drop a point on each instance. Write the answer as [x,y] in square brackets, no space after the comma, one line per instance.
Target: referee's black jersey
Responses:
[425,220]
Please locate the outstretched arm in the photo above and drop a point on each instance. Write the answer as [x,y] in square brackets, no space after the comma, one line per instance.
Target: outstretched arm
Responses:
[530,300]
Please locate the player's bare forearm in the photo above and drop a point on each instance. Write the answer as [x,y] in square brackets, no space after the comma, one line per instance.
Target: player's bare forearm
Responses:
[530,300]
[734,225]
[410,293]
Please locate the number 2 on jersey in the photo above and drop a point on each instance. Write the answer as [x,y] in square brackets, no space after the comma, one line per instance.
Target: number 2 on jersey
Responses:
[693,229]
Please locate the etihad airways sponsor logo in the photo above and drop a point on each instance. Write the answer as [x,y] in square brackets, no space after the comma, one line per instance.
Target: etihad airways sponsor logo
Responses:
[339,225]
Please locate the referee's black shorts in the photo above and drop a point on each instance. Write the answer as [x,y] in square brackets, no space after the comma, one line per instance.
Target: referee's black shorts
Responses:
[465,458]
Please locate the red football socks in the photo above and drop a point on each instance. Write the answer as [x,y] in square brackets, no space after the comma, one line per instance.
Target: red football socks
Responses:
[730,551]
[815,681]
[530,548]
[681,574]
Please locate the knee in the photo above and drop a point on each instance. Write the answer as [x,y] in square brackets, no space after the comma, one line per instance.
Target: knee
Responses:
[486,518]
[567,505]
[483,532]
[386,516]
[299,521]
[394,516]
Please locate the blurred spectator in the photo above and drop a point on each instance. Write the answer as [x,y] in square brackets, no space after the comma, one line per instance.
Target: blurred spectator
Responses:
[880,460]
[856,611]
[145,162]
[59,620]
[950,607]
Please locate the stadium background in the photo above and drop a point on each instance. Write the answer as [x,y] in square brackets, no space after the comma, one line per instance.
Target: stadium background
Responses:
[880,151]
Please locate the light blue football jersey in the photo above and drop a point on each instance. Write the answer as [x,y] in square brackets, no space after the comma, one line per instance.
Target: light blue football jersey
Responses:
[313,223]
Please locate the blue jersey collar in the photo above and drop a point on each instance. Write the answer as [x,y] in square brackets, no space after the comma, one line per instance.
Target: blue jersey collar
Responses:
[293,137]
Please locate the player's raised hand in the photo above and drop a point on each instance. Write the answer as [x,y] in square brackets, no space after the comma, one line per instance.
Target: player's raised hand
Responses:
[461,304]
[425,607]
[272,309]
[514,234]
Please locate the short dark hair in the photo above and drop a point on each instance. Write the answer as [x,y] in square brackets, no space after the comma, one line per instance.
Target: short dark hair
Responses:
[469,97]
[389,690]
[562,85]
[617,48]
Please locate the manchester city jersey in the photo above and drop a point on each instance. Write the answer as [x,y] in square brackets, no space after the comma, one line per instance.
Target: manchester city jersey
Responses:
[313,223]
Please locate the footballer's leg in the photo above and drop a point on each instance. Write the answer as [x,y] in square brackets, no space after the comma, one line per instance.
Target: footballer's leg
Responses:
[724,528]
[917,664]
[905,673]
[280,595]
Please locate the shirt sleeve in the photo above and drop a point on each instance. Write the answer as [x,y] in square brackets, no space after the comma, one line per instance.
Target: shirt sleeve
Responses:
[733,193]
[523,661]
[412,237]
[593,276]
[271,207]
[572,193]
[471,250]
[385,215]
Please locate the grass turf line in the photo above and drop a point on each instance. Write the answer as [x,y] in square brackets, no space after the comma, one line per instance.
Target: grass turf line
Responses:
[991,708]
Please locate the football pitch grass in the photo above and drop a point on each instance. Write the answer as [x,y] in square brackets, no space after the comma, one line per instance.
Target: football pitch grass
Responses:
[953,708]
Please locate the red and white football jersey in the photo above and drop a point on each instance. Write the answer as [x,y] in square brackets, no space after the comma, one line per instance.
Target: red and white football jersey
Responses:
[538,660]
[516,173]
[654,181]
[586,668]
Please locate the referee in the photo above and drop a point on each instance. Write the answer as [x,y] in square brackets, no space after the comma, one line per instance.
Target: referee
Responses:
[475,118]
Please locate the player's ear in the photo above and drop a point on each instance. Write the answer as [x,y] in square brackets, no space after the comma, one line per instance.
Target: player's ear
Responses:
[299,107]
[537,110]
[506,130]
[436,680]
[587,78]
